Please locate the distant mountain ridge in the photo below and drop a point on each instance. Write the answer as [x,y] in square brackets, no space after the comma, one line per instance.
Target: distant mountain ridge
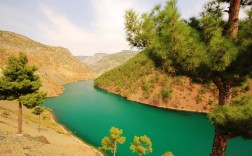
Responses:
[102,62]
[57,66]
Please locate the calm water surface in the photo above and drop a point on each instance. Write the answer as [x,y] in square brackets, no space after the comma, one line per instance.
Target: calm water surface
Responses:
[90,112]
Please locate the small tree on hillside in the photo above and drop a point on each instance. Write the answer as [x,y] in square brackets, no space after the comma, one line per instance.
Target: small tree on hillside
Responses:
[37,111]
[142,145]
[110,143]
[19,83]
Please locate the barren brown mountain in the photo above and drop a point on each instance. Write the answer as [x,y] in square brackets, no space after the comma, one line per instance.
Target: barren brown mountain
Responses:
[57,66]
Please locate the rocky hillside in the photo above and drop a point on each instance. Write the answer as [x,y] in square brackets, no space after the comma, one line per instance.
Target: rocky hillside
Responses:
[102,62]
[57,66]
[139,80]
[51,140]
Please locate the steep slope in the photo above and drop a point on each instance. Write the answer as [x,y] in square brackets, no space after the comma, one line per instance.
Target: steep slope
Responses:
[102,62]
[140,81]
[57,66]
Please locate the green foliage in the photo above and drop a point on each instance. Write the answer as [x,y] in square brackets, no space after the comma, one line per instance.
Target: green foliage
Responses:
[235,118]
[198,48]
[166,93]
[129,76]
[146,88]
[198,100]
[203,50]
[19,81]
[235,92]
[38,110]
[210,102]
[33,99]
[168,154]
[110,143]
[245,89]
[177,80]
[142,145]
[202,91]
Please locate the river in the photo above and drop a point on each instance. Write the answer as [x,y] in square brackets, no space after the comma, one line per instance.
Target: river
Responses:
[89,113]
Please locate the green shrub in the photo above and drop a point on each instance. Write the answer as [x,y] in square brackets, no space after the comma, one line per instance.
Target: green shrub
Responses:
[5,114]
[235,92]
[210,102]
[198,100]
[245,89]
[166,93]
[202,91]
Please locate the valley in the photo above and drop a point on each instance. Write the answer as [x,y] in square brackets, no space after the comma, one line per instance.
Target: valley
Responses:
[124,78]
[56,65]
[102,62]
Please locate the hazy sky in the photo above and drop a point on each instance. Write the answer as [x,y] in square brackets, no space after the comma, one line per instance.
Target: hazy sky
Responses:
[84,27]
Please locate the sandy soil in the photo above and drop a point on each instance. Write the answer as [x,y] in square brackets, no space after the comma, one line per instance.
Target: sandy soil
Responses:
[47,142]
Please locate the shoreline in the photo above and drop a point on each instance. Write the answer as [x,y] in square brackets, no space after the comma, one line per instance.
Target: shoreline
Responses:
[151,105]
[68,132]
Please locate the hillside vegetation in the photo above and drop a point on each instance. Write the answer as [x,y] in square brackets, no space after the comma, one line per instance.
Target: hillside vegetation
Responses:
[102,62]
[57,66]
[139,80]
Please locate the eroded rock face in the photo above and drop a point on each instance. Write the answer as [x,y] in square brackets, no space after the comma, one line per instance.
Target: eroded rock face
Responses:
[57,66]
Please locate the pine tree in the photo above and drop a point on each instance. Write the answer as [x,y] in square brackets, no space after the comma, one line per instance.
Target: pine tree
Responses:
[110,143]
[142,145]
[213,52]
[37,111]
[20,83]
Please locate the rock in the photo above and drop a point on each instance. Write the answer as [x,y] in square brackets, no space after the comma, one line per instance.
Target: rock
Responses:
[42,139]
[2,137]
[26,147]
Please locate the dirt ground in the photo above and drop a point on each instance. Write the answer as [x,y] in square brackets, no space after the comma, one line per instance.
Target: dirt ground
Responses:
[47,142]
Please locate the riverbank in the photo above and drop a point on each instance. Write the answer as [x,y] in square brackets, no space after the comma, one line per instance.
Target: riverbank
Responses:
[52,139]
[178,106]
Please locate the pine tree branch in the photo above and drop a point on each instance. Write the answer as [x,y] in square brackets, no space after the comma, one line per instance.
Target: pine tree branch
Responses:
[231,136]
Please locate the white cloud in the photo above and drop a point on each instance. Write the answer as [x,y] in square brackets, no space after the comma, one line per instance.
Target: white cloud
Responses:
[107,34]
[60,31]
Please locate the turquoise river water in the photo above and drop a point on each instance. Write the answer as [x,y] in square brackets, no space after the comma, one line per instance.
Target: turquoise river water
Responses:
[90,112]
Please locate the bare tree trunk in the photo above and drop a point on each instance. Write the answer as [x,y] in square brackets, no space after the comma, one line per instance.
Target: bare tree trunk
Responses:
[233,19]
[219,145]
[20,118]
[39,124]
[224,88]
[115,149]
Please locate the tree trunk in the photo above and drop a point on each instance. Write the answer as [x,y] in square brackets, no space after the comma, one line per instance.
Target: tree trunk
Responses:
[233,19]
[220,140]
[39,124]
[219,144]
[20,118]
[115,149]
[224,88]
